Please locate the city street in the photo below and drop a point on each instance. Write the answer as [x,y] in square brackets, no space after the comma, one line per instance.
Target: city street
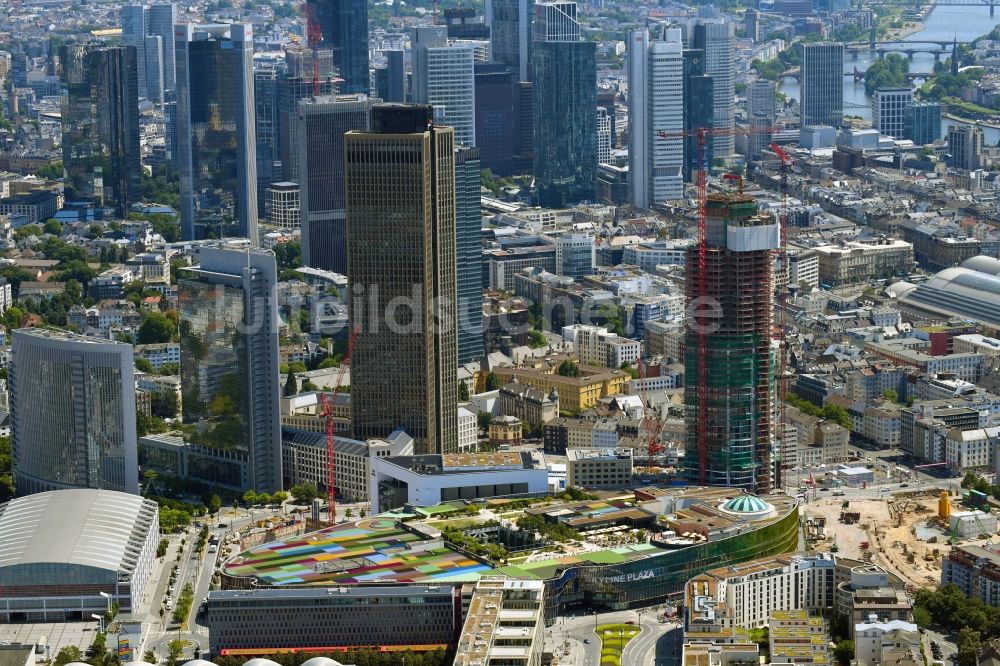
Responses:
[646,649]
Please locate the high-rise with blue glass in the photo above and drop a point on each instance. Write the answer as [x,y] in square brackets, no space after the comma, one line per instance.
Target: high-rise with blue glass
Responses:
[469,273]
[565,107]
[344,24]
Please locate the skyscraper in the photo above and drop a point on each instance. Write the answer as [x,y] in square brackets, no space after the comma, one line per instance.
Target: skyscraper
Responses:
[965,146]
[510,36]
[161,22]
[72,405]
[469,252]
[319,127]
[922,122]
[100,114]
[133,22]
[496,93]
[889,110]
[565,99]
[265,95]
[229,361]
[296,85]
[699,107]
[217,157]
[400,196]
[575,255]
[393,77]
[716,38]
[761,112]
[153,58]
[821,95]
[728,401]
[444,77]
[656,104]
[344,24]
[603,136]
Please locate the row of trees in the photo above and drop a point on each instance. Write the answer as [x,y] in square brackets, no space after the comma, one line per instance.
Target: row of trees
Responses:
[947,607]
[829,411]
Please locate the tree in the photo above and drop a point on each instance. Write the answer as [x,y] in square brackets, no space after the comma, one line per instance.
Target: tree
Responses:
[891,395]
[969,641]
[156,327]
[844,652]
[483,419]
[304,493]
[536,339]
[52,226]
[349,513]
[463,392]
[492,382]
[176,648]
[291,386]
[568,369]
[52,171]
[143,365]
[213,504]
[886,72]
[68,655]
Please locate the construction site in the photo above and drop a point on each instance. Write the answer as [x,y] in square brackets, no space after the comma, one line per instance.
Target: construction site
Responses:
[907,533]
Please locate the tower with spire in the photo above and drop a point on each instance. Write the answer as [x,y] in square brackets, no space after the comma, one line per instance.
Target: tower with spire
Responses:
[954,56]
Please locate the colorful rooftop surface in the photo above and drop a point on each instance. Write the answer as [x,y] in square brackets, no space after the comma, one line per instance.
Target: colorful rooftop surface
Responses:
[368,551]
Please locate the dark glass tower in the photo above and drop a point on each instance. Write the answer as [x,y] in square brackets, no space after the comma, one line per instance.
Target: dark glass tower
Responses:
[495,97]
[565,107]
[101,124]
[344,24]
[698,112]
[217,156]
[468,233]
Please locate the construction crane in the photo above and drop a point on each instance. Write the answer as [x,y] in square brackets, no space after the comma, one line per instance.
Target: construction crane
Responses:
[780,330]
[701,180]
[326,411]
[314,35]
[651,425]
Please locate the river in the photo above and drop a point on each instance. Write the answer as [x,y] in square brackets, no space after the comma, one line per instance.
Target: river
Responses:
[943,23]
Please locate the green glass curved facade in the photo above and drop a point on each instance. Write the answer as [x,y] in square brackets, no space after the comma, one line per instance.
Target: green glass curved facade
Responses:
[650,580]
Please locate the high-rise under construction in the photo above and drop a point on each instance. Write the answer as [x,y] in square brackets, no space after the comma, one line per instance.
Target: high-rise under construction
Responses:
[729,364]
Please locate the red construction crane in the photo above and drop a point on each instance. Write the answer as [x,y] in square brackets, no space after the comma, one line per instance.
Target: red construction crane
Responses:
[326,411]
[702,134]
[314,35]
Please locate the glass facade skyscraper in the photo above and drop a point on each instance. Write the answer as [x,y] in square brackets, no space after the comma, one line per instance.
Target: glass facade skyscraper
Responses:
[100,113]
[444,77]
[699,110]
[215,130]
[161,21]
[716,38]
[400,199]
[229,361]
[565,107]
[510,34]
[319,126]
[821,95]
[922,122]
[73,413]
[344,24]
[469,275]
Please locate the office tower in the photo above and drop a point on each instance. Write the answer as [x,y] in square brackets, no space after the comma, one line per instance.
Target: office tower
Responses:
[265,96]
[281,205]
[496,93]
[716,38]
[170,135]
[510,26]
[565,96]
[100,142]
[922,122]
[469,252]
[400,196]
[889,110]
[319,126]
[656,104]
[821,96]
[153,57]
[72,405]
[965,146]
[444,77]
[728,403]
[524,127]
[463,23]
[699,107]
[752,23]
[217,157]
[390,81]
[133,21]
[603,136]
[607,97]
[296,85]
[229,360]
[161,21]
[344,24]
[575,255]
[761,112]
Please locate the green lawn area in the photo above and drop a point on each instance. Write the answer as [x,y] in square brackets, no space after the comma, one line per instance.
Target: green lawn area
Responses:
[614,638]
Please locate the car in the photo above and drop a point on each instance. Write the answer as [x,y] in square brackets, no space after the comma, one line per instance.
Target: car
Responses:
[585,640]
[824,488]
[904,485]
